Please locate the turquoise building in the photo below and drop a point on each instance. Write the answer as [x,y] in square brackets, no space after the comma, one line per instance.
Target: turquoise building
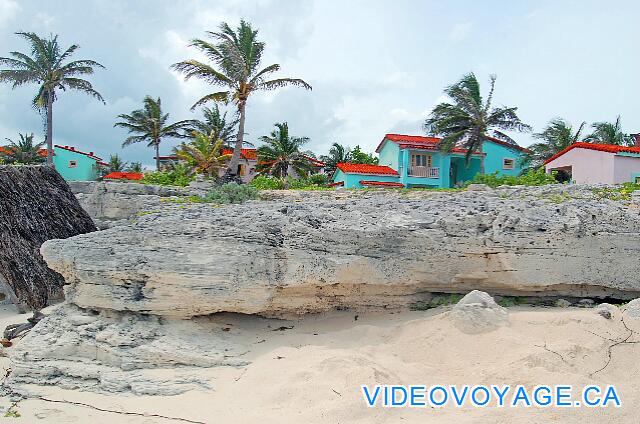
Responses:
[415,161]
[75,165]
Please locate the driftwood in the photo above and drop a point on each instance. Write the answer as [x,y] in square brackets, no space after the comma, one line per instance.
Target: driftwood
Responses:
[36,205]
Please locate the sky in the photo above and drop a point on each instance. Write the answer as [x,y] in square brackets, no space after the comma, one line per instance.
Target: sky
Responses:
[376,66]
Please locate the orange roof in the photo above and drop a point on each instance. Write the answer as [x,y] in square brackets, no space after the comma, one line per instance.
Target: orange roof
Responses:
[381,183]
[249,154]
[431,143]
[608,148]
[359,168]
[7,150]
[123,176]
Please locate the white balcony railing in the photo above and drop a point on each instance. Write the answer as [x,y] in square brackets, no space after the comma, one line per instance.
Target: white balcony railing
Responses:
[424,171]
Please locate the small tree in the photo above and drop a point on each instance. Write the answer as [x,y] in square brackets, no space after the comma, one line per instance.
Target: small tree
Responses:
[281,153]
[203,155]
[468,119]
[150,126]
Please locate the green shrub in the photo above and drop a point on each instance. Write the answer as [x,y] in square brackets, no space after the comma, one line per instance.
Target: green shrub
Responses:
[621,192]
[264,182]
[232,193]
[178,176]
[319,179]
[535,177]
[314,181]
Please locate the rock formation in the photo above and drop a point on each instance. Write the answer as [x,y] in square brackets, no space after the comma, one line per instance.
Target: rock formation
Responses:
[477,312]
[298,253]
[35,205]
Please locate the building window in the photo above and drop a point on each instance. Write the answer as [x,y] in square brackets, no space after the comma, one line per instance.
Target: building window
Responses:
[422,160]
[508,163]
[73,164]
[637,180]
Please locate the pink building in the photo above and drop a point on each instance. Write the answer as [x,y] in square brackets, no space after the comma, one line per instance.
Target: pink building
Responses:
[589,163]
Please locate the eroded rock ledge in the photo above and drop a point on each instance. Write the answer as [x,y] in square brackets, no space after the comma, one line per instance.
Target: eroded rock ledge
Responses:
[130,287]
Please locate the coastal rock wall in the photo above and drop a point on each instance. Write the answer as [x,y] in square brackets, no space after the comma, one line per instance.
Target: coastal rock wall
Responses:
[278,258]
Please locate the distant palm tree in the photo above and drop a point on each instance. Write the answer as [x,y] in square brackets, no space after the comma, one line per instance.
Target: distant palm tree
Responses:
[216,126]
[24,151]
[237,56]
[468,119]
[45,65]
[150,125]
[135,167]
[202,155]
[337,154]
[116,164]
[556,136]
[610,133]
[281,153]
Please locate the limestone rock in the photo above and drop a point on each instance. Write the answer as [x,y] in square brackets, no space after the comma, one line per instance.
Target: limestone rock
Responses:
[477,312]
[632,309]
[371,249]
[606,310]
[563,303]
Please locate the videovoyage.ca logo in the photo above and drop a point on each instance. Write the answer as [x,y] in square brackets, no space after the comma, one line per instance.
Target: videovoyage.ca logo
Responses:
[541,396]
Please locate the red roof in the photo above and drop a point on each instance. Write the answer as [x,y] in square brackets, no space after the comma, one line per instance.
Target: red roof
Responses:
[73,149]
[381,183]
[314,161]
[123,176]
[359,168]
[249,154]
[608,148]
[431,143]
[7,150]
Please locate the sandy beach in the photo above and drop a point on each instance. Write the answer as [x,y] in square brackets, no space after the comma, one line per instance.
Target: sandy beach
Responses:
[313,371]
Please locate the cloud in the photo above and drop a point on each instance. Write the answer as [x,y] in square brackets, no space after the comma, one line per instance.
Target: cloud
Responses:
[460,32]
[8,9]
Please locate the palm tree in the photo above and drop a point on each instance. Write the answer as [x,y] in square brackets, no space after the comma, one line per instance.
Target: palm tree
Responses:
[45,66]
[135,167]
[236,56]
[337,154]
[116,164]
[610,133]
[203,155]
[216,126]
[150,125]
[468,120]
[24,151]
[281,153]
[556,136]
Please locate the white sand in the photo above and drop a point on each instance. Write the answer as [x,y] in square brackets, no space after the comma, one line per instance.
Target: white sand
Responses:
[313,372]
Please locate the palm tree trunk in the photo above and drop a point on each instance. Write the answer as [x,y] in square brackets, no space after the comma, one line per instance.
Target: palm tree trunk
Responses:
[235,158]
[50,130]
[481,158]
[157,146]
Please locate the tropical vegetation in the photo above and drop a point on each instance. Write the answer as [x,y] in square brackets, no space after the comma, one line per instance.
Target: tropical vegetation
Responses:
[337,154]
[280,154]
[179,175]
[150,125]
[203,155]
[610,133]
[48,65]
[468,118]
[116,164]
[24,151]
[534,177]
[555,137]
[134,167]
[217,126]
[231,193]
[236,56]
